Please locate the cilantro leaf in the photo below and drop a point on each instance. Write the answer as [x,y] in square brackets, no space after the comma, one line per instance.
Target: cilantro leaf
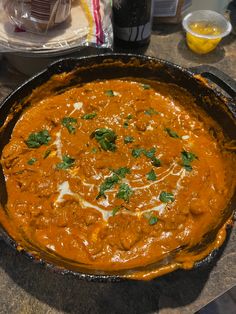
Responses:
[172,133]
[109,93]
[121,172]
[31,161]
[106,138]
[70,124]
[112,180]
[187,158]
[115,210]
[146,86]
[66,163]
[89,116]
[126,124]
[151,175]
[137,152]
[188,168]
[94,150]
[150,153]
[166,197]
[150,112]
[47,153]
[153,220]
[37,139]
[107,185]
[128,139]
[156,162]
[125,192]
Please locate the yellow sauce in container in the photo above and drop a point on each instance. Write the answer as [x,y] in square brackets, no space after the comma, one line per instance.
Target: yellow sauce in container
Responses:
[204,44]
[204,30]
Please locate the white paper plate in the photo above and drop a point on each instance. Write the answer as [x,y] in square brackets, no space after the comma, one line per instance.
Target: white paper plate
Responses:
[66,36]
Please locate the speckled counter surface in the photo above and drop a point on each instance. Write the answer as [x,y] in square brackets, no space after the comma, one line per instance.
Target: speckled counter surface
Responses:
[27,288]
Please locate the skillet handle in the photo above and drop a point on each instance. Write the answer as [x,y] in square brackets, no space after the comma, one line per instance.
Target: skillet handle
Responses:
[218,77]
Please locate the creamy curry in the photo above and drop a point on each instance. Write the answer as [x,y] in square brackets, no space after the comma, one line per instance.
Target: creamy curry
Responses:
[118,174]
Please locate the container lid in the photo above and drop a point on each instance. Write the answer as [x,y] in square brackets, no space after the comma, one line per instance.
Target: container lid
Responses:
[209,18]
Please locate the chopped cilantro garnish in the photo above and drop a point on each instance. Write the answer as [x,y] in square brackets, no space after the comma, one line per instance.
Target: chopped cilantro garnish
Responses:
[31,161]
[115,210]
[122,172]
[150,153]
[150,112]
[188,168]
[107,185]
[109,92]
[124,192]
[156,162]
[146,86]
[106,138]
[66,163]
[94,150]
[172,133]
[166,197]
[137,152]
[70,124]
[153,220]
[187,158]
[47,153]
[112,180]
[151,175]
[126,124]
[128,139]
[89,116]
[37,139]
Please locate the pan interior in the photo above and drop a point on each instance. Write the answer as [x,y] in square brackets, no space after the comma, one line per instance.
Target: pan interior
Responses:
[144,73]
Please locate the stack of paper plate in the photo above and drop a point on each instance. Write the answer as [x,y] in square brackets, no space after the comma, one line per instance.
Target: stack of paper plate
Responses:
[65,37]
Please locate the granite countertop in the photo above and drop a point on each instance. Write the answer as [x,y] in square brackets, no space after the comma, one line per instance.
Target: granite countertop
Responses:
[28,288]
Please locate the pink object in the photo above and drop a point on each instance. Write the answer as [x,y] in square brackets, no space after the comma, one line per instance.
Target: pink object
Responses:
[18,30]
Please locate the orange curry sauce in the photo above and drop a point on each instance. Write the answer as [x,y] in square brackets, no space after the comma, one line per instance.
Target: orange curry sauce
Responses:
[116,175]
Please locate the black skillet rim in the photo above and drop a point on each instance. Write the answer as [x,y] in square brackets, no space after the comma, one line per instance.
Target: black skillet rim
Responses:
[57,68]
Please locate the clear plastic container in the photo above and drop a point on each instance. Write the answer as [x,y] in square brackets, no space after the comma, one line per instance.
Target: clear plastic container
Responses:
[88,24]
[205,29]
[37,16]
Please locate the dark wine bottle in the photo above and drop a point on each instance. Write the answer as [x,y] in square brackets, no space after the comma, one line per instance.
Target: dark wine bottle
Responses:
[132,22]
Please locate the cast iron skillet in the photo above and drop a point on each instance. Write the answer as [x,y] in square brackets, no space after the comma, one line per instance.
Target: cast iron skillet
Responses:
[108,66]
